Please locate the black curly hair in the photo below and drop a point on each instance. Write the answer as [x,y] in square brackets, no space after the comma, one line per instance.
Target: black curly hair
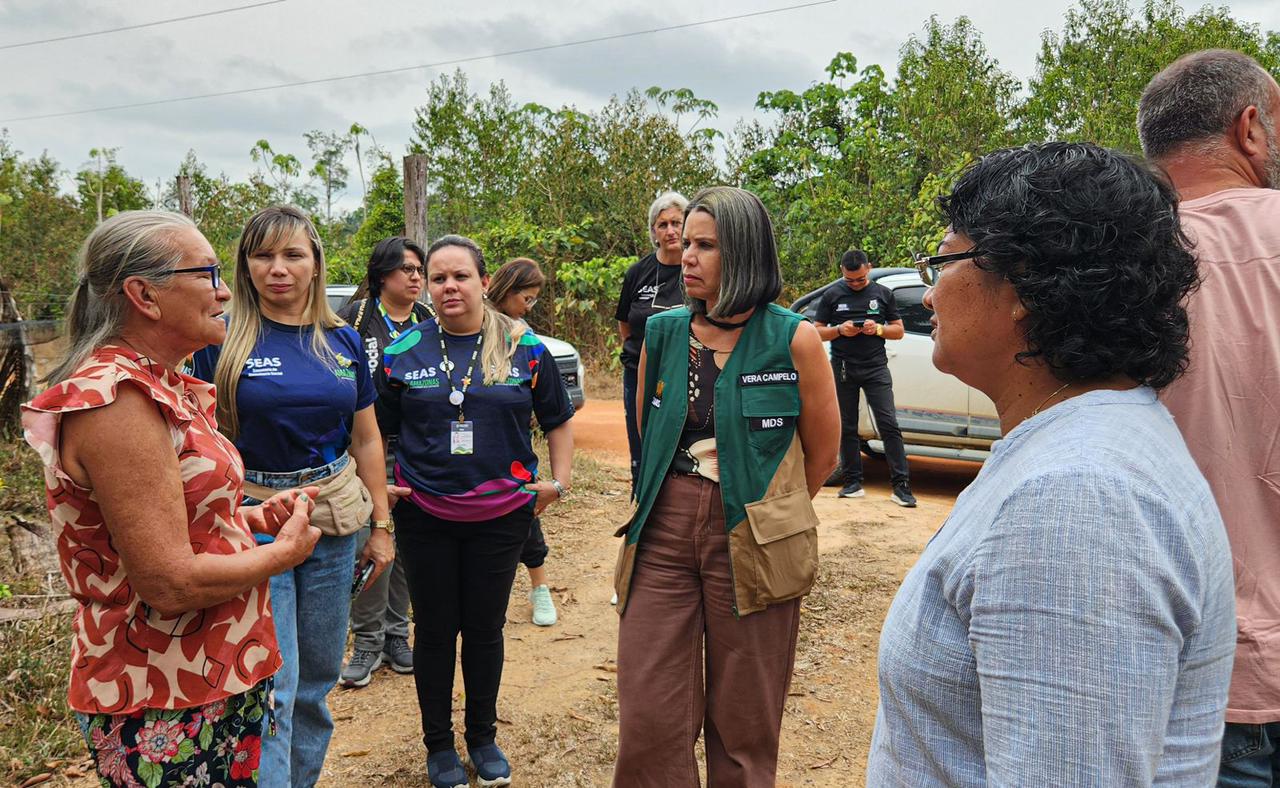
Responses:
[1091,242]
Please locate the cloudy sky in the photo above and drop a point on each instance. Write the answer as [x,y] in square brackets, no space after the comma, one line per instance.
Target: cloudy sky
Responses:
[728,62]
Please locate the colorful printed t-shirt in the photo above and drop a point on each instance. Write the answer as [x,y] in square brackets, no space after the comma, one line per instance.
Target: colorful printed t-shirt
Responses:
[296,411]
[488,482]
[126,656]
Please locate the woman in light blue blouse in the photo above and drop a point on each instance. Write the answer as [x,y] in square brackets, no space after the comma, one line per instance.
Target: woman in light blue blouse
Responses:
[1072,622]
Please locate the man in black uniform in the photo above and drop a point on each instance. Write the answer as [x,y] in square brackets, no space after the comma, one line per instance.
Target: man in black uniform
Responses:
[856,317]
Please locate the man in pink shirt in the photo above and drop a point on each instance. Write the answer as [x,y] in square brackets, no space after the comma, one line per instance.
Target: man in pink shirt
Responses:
[1210,122]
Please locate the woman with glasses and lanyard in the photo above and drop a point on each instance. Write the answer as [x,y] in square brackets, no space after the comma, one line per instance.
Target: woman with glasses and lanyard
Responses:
[464,389]
[385,306]
[296,397]
[513,290]
[1072,622]
[651,285]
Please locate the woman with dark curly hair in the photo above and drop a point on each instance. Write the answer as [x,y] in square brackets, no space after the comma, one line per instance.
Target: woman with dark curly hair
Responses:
[1072,621]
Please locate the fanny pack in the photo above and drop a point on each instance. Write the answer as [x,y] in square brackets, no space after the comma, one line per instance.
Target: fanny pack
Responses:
[343,504]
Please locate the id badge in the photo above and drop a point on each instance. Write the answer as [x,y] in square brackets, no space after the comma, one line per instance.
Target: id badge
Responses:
[462,437]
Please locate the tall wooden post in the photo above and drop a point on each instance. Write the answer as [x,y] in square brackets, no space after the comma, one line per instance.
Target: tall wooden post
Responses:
[415,198]
[184,196]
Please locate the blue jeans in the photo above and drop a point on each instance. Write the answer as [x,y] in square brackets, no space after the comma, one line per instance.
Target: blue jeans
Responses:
[1249,756]
[310,605]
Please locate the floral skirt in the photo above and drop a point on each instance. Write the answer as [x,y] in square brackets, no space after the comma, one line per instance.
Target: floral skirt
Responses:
[218,743]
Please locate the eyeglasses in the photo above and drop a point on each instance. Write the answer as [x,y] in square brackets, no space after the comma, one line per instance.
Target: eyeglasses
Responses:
[409,269]
[930,266]
[211,270]
[529,301]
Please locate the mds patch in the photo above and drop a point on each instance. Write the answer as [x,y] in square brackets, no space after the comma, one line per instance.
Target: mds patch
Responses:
[758,423]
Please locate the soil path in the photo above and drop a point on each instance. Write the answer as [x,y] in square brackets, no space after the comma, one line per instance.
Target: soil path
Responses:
[559,702]
[558,711]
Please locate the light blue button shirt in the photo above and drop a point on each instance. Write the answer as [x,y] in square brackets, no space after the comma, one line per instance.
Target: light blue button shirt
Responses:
[1073,621]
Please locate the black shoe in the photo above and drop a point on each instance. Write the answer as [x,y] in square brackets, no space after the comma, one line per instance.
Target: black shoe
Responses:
[902,495]
[853,490]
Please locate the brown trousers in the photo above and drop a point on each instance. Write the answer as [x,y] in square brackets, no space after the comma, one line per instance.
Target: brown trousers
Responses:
[686,664]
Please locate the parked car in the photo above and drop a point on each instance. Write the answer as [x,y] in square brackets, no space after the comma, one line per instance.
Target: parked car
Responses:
[939,416]
[567,359]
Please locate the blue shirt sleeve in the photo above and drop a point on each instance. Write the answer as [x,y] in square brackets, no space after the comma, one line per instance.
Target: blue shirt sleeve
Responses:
[551,403]
[1077,633]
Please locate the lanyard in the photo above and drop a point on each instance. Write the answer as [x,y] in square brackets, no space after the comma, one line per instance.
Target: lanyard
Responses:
[391,326]
[457,396]
[657,286]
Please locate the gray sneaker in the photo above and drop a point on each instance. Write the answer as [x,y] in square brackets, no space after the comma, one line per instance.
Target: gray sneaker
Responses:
[398,654]
[359,669]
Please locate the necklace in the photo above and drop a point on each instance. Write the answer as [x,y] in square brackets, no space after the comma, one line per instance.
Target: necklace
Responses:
[1051,396]
[393,325]
[456,396]
[723,325]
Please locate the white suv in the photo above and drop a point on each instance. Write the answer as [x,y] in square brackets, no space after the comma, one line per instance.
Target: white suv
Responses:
[567,359]
[939,416]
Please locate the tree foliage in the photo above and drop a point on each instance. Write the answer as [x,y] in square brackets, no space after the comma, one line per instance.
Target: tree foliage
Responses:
[856,158]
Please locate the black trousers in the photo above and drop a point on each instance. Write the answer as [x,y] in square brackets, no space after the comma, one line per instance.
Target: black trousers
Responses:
[535,550]
[878,385]
[460,577]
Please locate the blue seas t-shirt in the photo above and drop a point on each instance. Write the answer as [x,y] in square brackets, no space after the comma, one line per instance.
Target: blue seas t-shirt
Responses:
[296,411]
[489,482]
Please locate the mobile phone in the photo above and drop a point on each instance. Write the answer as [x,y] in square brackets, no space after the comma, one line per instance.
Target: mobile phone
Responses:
[363,573]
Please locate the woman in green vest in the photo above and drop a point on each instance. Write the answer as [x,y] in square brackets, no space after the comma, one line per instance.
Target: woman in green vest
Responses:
[739,430]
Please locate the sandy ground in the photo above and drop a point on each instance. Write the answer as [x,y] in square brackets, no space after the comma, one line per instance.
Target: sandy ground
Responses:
[558,710]
[558,713]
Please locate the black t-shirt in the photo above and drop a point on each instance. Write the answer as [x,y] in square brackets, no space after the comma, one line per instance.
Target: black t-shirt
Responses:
[375,334]
[643,281]
[841,303]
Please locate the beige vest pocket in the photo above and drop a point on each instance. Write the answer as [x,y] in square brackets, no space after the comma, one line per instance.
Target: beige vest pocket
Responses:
[783,548]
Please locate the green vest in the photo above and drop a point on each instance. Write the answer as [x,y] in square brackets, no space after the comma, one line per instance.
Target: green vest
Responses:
[757,402]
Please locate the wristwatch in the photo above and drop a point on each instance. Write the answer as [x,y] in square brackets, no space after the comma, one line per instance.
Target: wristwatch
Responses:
[560,489]
[387,525]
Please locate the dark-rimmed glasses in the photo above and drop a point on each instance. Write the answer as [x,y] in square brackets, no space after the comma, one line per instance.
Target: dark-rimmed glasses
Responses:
[930,266]
[410,270]
[212,270]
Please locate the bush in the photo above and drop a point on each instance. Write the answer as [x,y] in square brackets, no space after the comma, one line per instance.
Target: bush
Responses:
[588,293]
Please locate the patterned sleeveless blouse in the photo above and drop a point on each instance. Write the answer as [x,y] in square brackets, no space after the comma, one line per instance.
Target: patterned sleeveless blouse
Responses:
[125,656]
[696,450]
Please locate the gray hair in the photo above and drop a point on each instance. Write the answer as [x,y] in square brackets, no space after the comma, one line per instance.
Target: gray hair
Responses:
[750,275]
[1196,99]
[663,202]
[132,243]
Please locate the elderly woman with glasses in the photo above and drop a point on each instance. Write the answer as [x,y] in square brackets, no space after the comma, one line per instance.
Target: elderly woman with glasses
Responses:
[1072,621]
[173,643]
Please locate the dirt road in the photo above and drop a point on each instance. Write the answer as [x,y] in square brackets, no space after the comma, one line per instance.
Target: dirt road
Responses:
[558,707]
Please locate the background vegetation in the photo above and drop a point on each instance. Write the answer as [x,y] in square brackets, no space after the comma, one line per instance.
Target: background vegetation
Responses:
[854,159]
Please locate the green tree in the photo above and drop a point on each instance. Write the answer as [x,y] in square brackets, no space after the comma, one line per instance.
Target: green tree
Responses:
[1090,75]
[105,188]
[328,165]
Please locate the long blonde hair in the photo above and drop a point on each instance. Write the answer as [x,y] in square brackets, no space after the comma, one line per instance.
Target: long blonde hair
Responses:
[269,228]
[132,243]
[497,331]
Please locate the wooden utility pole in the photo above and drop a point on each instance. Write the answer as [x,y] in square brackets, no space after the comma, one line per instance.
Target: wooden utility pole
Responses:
[415,198]
[184,196]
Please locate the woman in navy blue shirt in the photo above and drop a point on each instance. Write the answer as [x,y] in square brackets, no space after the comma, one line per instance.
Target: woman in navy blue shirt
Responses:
[296,397]
[461,389]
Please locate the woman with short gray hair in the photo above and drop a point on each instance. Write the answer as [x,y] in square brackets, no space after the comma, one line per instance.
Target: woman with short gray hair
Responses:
[738,436]
[651,285]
